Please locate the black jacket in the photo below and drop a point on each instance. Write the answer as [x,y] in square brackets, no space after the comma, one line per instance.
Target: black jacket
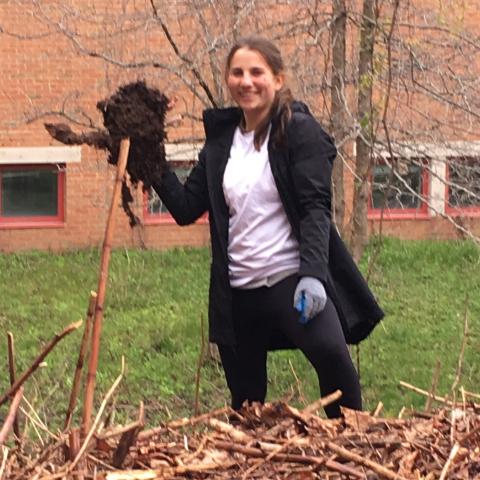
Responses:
[302,170]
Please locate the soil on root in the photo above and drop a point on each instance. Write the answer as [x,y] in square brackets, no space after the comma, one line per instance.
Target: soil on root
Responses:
[135,111]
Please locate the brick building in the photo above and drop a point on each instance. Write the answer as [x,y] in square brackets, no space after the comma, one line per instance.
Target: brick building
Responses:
[56,197]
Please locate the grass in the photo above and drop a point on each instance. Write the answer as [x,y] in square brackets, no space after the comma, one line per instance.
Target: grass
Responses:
[154,310]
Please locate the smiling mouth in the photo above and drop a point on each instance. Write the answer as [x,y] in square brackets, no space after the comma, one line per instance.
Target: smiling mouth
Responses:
[247,95]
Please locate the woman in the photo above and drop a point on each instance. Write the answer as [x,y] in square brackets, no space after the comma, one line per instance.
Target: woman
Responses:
[280,275]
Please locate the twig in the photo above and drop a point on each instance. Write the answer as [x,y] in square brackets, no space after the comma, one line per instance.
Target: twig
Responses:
[18,383]
[11,370]
[257,452]
[437,398]
[298,383]
[81,356]
[118,431]
[97,418]
[471,394]
[4,460]
[183,422]
[378,409]
[199,366]
[36,421]
[322,402]
[451,457]
[461,354]
[377,468]
[187,61]
[102,285]
[12,412]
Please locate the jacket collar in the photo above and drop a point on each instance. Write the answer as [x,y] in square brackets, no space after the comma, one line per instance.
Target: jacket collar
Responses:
[217,120]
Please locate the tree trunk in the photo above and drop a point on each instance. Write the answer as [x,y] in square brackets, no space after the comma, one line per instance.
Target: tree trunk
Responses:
[339,116]
[364,140]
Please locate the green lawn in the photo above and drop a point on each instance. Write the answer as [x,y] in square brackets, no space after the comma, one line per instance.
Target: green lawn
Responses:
[155,303]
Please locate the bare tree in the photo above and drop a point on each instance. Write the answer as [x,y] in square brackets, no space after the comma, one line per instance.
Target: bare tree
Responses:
[364,141]
[421,69]
[338,111]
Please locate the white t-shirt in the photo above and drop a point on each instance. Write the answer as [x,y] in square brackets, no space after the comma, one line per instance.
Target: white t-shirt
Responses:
[261,244]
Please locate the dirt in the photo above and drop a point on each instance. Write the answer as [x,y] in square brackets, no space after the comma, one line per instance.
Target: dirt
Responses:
[135,111]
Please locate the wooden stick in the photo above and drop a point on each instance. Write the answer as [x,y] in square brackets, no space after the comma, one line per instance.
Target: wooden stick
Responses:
[12,412]
[458,372]
[81,356]
[257,452]
[288,457]
[434,397]
[201,358]
[4,460]
[451,457]
[322,402]
[97,418]
[18,383]
[377,468]
[11,370]
[183,422]
[102,286]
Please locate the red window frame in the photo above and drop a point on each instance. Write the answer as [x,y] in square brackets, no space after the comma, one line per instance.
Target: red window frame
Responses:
[471,211]
[44,220]
[402,213]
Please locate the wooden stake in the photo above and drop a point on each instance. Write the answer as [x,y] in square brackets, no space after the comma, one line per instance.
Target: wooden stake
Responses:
[18,383]
[81,356]
[102,285]
[11,370]
[89,434]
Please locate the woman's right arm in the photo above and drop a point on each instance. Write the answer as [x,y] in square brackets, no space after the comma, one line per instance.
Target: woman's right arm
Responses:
[187,202]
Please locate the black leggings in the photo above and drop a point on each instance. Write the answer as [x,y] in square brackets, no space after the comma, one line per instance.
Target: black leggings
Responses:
[256,315]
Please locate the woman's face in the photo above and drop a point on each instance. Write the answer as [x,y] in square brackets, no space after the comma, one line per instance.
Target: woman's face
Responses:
[252,84]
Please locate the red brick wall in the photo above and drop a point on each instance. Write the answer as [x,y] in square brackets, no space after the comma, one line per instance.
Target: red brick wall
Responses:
[40,69]
[42,72]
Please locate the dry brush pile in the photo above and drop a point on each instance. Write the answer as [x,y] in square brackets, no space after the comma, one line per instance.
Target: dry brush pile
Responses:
[274,441]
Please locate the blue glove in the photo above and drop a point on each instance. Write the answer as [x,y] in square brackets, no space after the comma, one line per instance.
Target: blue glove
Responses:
[310,298]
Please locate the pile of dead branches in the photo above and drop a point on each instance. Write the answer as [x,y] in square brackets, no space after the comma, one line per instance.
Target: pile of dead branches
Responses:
[271,441]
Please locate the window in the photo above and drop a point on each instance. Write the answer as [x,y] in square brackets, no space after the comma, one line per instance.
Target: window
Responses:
[155,211]
[463,185]
[31,195]
[399,194]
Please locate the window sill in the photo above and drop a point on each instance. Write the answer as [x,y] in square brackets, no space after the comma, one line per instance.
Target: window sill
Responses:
[463,212]
[10,225]
[398,216]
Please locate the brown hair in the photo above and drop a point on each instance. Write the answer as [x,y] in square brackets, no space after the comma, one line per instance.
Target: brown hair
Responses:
[281,107]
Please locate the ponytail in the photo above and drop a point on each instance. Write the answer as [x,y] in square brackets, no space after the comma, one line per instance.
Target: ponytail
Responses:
[280,114]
